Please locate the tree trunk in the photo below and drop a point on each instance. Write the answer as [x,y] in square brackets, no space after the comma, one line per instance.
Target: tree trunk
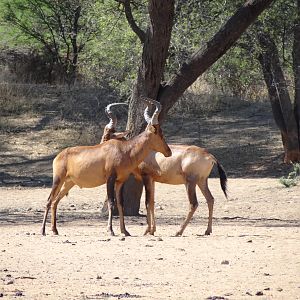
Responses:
[155,50]
[283,110]
[296,68]
[75,49]
[150,73]
[133,188]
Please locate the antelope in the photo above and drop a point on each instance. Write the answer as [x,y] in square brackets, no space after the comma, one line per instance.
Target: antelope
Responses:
[59,190]
[111,162]
[109,131]
[188,165]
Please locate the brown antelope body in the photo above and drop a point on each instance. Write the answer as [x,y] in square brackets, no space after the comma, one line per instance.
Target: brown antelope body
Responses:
[188,165]
[92,166]
[68,159]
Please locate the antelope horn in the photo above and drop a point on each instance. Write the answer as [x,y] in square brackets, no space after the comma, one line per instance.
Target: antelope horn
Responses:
[112,117]
[154,119]
[146,115]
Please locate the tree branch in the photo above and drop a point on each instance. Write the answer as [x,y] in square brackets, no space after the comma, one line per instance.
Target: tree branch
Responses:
[32,33]
[61,28]
[135,28]
[202,59]
[44,19]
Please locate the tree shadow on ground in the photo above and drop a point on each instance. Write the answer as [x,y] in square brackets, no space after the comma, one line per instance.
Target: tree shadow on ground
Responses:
[244,139]
[29,217]
[27,172]
[92,218]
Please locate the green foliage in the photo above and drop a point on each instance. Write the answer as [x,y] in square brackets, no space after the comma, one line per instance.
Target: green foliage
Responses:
[278,22]
[236,74]
[292,178]
[50,22]
[114,56]
[61,28]
[110,51]
[195,22]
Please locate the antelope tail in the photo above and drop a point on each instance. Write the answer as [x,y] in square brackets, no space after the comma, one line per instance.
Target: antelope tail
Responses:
[223,178]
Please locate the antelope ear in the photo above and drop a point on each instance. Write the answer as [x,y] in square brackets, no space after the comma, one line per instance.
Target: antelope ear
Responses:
[152,129]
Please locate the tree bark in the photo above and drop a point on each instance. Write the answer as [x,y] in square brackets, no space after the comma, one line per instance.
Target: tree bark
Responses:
[155,51]
[283,111]
[72,62]
[132,189]
[150,73]
[296,67]
[154,56]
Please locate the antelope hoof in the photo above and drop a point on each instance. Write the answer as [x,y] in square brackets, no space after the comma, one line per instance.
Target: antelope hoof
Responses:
[207,232]
[111,232]
[43,232]
[146,231]
[54,231]
[126,233]
[178,233]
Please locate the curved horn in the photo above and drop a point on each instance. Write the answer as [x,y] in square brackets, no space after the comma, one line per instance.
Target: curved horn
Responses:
[154,119]
[146,115]
[112,117]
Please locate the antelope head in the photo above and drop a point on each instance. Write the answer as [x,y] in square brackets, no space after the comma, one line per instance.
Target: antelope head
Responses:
[158,142]
[109,131]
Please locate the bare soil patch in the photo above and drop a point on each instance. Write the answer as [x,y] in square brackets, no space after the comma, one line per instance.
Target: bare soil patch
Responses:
[253,250]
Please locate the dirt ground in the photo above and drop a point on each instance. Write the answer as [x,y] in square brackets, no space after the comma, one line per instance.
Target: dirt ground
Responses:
[253,252]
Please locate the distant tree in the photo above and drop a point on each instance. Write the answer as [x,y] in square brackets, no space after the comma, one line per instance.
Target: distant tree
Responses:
[62,27]
[275,42]
[286,114]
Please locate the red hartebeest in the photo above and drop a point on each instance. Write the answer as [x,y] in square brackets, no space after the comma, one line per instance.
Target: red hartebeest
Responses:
[109,131]
[188,165]
[112,161]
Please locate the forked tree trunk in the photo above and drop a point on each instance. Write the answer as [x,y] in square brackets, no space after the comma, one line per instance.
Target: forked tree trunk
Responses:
[155,50]
[285,114]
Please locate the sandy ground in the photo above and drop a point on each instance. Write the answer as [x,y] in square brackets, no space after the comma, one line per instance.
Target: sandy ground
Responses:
[252,253]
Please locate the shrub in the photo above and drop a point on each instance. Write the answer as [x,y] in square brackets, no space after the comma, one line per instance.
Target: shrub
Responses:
[293,177]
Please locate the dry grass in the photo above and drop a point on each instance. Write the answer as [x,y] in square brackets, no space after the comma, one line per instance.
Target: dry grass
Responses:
[38,121]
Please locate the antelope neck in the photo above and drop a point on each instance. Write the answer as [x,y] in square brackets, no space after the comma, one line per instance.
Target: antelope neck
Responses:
[139,147]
